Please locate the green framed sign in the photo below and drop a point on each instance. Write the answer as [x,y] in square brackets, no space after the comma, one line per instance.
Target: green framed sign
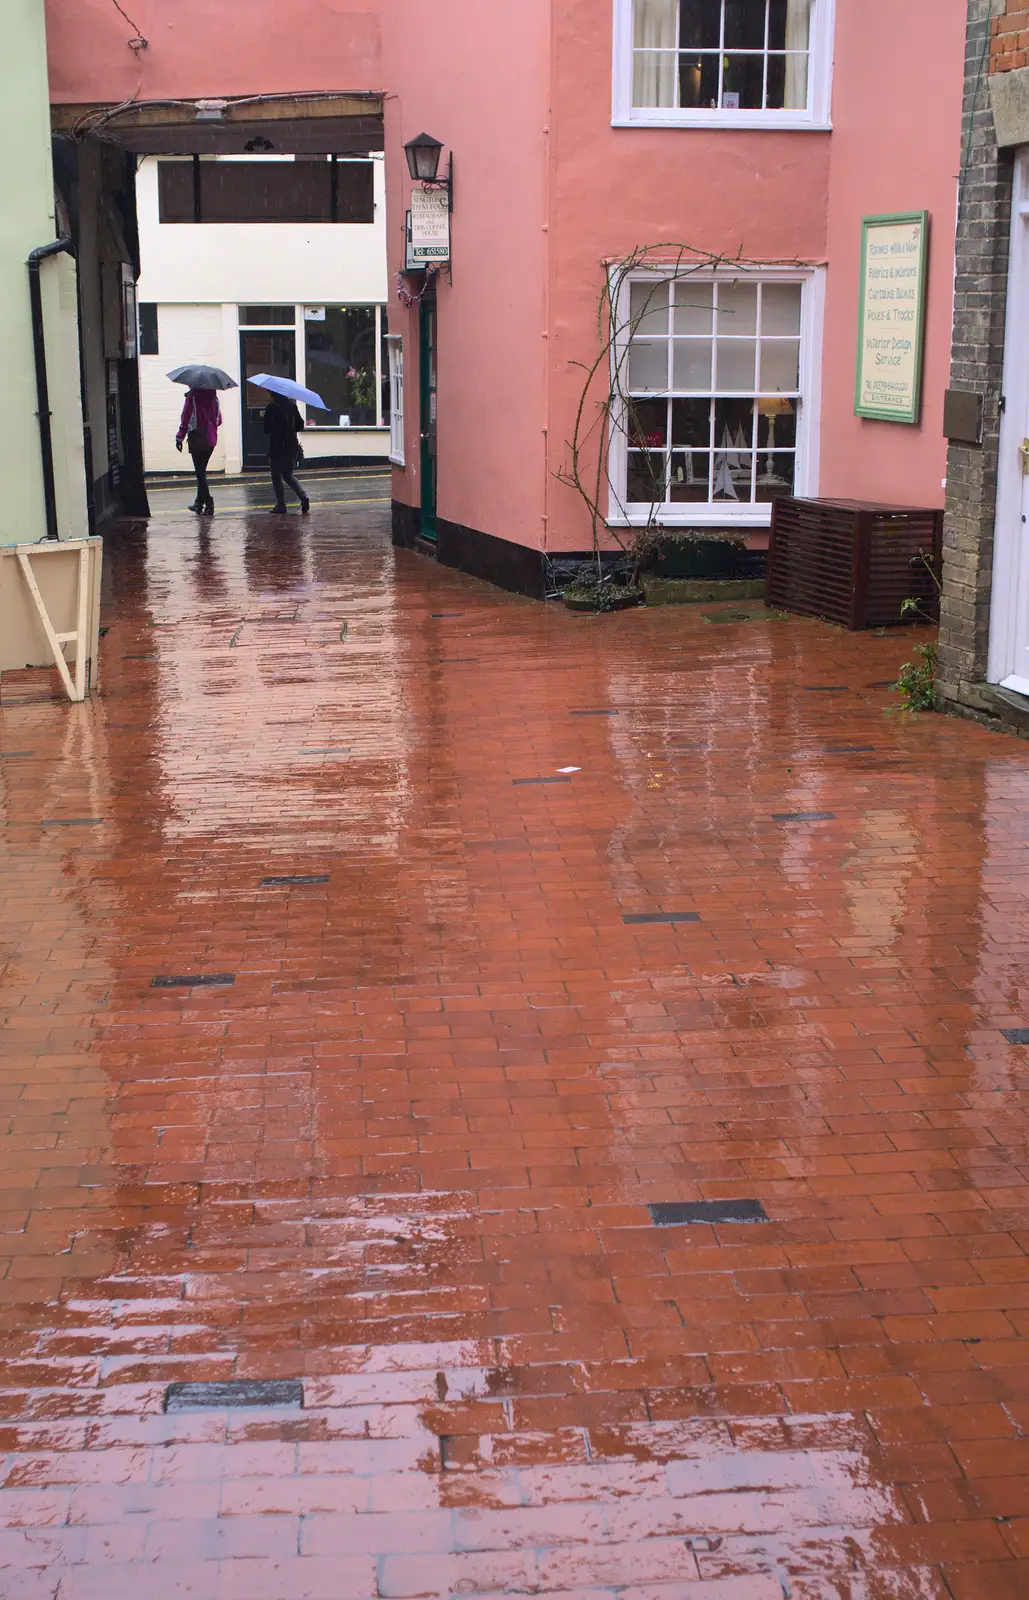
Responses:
[891,316]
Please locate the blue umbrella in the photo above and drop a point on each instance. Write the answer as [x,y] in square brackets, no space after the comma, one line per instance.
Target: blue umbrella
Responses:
[286,386]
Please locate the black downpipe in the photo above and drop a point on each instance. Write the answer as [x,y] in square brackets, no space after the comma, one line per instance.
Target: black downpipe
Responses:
[46,442]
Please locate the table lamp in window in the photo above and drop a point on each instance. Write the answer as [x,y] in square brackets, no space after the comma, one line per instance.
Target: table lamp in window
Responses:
[772,406]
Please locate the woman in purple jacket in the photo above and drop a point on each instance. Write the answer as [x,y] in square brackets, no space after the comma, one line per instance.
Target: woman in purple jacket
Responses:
[201,419]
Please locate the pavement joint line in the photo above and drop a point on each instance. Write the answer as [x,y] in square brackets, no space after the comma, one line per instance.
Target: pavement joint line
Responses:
[803,816]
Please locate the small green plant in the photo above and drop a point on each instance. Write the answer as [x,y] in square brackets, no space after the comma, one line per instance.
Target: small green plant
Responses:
[912,607]
[916,683]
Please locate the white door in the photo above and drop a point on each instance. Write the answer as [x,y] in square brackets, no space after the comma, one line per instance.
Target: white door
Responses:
[1008,663]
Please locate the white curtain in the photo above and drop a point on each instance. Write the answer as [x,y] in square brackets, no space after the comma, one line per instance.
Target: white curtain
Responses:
[798,37]
[654,60]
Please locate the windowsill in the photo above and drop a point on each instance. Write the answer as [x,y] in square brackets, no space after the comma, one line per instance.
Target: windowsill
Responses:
[335,427]
[740,121]
[690,514]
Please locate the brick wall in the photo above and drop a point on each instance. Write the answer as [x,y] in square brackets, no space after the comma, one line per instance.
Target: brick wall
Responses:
[977,365]
[1009,47]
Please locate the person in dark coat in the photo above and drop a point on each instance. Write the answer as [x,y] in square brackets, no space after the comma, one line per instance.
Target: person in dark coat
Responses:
[282,423]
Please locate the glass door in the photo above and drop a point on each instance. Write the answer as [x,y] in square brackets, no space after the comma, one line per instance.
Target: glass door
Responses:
[262,350]
[427,371]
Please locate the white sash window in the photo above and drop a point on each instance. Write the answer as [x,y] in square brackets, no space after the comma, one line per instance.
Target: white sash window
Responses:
[723,63]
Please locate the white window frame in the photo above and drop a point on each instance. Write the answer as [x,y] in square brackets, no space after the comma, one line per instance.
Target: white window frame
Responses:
[815,117]
[722,513]
[395,351]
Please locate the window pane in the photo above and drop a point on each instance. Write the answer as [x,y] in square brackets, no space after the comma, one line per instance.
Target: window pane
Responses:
[148,340]
[653,67]
[780,364]
[175,191]
[787,83]
[341,365]
[267,316]
[780,308]
[647,423]
[776,423]
[355,191]
[653,24]
[736,364]
[789,24]
[653,78]
[692,307]
[691,422]
[699,24]
[744,24]
[691,475]
[265,191]
[648,310]
[737,309]
[734,424]
[691,364]
[698,81]
[646,477]
[775,475]
[733,472]
[648,366]
[743,83]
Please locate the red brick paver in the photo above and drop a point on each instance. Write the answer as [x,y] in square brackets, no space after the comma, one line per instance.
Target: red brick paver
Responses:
[407,1156]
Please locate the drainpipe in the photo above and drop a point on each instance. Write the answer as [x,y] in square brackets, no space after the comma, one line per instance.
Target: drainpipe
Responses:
[46,443]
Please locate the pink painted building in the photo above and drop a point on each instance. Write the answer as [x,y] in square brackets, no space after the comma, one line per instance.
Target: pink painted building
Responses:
[728,149]
[762,130]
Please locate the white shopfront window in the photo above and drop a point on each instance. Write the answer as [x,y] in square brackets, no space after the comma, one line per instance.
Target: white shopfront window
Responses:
[718,382]
[395,349]
[723,63]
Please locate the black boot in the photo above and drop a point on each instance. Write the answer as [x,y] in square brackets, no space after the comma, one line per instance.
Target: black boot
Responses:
[197,506]
[305,506]
[278,511]
[208,507]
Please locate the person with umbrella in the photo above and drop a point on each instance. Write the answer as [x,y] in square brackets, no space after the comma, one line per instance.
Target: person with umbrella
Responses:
[201,419]
[282,423]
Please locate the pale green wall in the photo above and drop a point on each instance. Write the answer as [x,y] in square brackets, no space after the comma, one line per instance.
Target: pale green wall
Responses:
[26,220]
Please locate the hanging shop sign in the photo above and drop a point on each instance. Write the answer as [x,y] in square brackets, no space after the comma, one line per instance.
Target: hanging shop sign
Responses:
[891,316]
[430,227]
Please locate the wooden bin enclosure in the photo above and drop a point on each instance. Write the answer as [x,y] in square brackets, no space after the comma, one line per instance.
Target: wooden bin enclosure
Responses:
[854,562]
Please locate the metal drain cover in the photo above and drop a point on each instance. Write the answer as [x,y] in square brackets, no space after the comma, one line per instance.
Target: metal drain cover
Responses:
[677,1212]
[222,1396]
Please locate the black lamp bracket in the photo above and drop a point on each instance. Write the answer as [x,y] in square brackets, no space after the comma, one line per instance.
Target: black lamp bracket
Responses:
[446,182]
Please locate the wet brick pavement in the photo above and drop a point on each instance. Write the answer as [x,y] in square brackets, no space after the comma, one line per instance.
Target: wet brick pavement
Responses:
[407,1155]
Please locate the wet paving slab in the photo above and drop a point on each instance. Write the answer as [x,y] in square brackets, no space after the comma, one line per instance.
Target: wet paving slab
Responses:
[583,1188]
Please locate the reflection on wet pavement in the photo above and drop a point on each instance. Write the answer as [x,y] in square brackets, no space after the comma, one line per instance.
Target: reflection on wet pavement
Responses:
[407,1154]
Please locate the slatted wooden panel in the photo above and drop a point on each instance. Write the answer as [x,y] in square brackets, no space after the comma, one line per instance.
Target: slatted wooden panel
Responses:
[851,562]
[894,571]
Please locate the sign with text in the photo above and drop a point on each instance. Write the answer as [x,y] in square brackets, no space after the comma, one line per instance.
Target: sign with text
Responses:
[430,226]
[891,317]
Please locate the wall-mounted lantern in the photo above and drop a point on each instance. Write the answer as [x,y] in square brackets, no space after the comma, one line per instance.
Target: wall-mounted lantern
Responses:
[423,156]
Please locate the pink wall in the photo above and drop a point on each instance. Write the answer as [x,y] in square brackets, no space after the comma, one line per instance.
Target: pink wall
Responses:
[896,146]
[613,189]
[463,72]
[211,47]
